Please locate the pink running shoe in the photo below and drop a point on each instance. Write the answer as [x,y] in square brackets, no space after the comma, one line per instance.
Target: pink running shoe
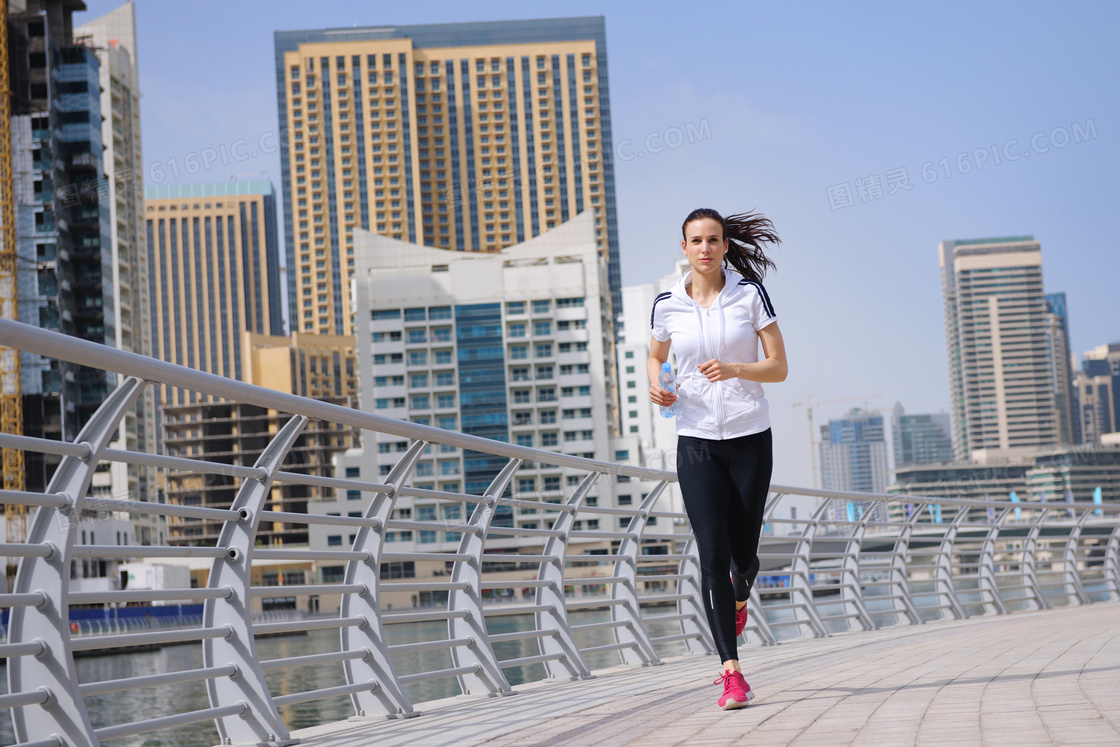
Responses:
[736,692]
[740,620]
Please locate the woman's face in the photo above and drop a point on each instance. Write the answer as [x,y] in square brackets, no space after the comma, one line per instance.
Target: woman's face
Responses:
[704,245]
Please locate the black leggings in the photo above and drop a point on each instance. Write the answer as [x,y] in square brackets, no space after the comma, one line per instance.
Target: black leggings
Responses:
[724,484]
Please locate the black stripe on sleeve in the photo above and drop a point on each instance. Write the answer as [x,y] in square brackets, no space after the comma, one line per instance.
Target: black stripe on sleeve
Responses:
[762,294]
[660,297]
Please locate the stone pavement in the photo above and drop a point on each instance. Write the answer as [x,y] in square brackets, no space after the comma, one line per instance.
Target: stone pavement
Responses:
[1031,678]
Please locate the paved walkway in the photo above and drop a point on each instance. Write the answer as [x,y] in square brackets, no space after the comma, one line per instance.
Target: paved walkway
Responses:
[1026,679]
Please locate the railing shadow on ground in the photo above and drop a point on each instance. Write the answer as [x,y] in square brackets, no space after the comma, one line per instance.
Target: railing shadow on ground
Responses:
[861,561]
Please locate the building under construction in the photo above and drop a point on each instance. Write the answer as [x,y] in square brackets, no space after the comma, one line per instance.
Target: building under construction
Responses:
[63,243]
[319,366]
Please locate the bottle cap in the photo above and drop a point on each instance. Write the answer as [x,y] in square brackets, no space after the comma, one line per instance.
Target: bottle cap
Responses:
[666,367]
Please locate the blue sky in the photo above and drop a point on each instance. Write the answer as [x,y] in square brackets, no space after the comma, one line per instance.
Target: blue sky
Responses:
[785,101]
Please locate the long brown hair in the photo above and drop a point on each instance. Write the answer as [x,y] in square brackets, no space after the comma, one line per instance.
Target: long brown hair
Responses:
[745,234]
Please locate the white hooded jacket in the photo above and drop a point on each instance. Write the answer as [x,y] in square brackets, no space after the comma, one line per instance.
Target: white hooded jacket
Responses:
[727,331]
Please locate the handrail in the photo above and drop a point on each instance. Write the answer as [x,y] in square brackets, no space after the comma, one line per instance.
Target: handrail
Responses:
[900,561]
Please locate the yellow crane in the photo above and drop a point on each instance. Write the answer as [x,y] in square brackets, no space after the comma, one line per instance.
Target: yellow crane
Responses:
[11,396]
[810,405]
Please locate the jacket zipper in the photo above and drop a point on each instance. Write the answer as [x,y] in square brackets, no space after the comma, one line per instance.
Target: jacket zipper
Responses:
[718,387]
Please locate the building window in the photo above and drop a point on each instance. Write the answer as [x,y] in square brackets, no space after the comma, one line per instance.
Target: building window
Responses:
[381,314]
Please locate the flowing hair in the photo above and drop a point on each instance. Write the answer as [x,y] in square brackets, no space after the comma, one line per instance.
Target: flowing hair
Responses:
[745,234]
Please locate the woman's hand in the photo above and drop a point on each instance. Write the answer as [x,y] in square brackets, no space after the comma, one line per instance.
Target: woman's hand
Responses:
[717,370]
[661,396]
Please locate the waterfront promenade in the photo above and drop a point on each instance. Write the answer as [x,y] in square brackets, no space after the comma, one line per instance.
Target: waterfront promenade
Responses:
[1033,678]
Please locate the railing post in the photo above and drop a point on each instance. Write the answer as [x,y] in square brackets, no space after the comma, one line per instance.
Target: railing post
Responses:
[986,572]
[799,576]
[851,585]
[695,624]
[1075,592]
[260,722]
[1111,564]
[63,714]
[571,664]
[640,651]
[943,568]
[1027,562]
[376,667]
[488,677]
[898,576]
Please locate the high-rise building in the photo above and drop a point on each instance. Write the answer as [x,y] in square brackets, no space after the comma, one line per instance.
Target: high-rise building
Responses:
[113,39]
[1001,379]
[511,346]
[467,136]
[214,266]
[64,240]
[921,439]
[1061,366]
[1097,393]
[854,453]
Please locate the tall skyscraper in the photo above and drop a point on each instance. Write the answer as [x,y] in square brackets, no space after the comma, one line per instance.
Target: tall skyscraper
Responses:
[1061,366]
[215,273]
[854,453]
[470,137]
[64,240]
[921,439]
[1001,379]
[113,39]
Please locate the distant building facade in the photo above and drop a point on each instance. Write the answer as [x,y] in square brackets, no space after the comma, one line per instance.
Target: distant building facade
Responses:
[214,261]
[1000,340]
[237,433]
[1097,393]
[921,439]
[853,453]
[511,346]
[464,136]
[63,232]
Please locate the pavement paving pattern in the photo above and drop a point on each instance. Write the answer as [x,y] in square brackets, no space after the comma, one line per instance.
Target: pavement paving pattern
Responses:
[1033,678]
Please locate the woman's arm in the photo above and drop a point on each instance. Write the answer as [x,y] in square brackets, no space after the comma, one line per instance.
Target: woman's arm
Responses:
[658,354]
[772,368]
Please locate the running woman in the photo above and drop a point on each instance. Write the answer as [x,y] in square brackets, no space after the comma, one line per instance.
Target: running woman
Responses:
[714,318]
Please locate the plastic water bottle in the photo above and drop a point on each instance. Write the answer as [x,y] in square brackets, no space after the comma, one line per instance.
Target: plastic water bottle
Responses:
[667,382]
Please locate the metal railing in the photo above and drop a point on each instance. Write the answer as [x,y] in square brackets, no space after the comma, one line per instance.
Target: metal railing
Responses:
[858,562]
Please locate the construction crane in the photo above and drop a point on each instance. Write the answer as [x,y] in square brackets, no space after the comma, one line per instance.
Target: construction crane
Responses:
[810,404]
[11,395]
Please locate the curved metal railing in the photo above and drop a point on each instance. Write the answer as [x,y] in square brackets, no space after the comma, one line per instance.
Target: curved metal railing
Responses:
[858,562]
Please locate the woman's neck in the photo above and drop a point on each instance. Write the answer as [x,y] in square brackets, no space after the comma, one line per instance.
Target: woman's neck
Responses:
[705,288]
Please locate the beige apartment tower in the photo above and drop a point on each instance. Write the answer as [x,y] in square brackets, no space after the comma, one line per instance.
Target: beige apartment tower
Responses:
[1001,378]
[470,137]
[215,273]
